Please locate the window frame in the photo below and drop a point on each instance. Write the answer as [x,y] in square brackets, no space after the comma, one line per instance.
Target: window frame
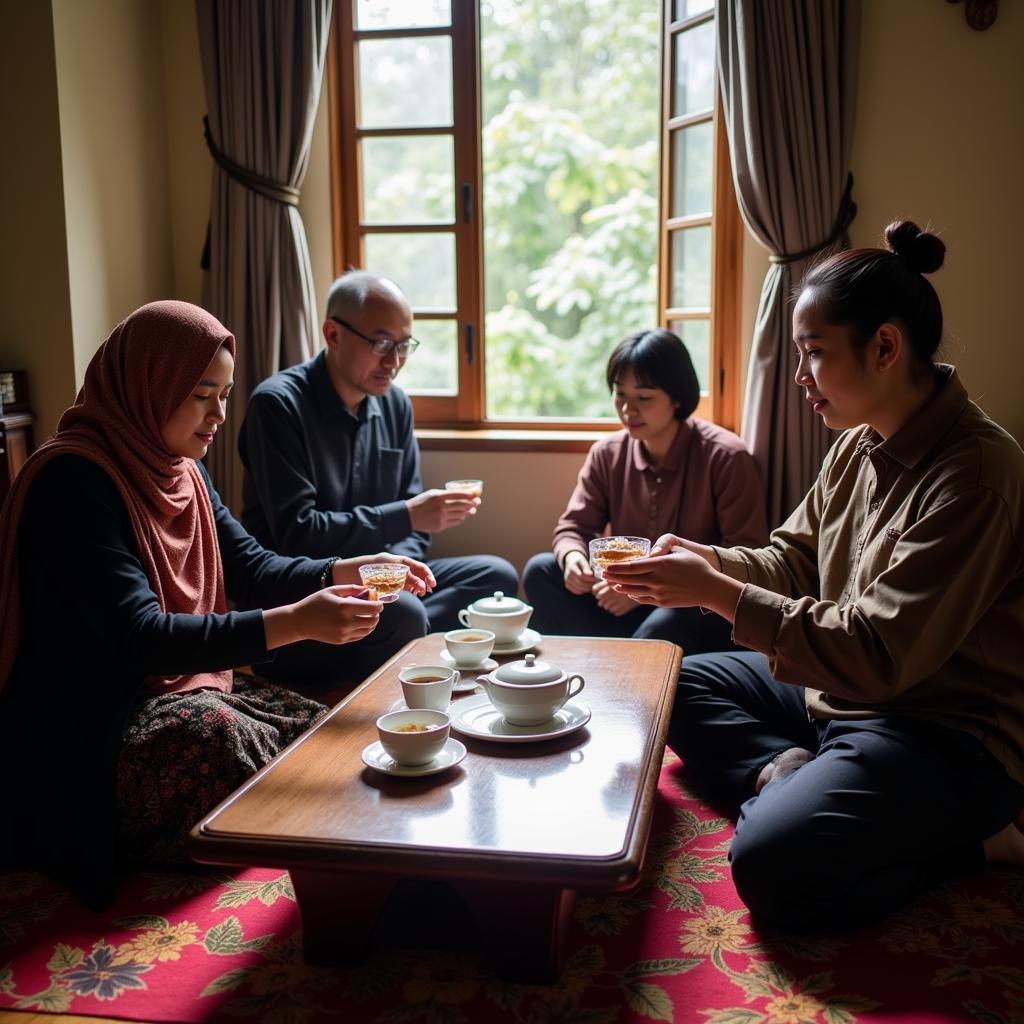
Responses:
[460,420]
[721,402]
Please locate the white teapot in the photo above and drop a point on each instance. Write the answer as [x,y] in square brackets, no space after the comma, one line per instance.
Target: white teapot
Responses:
[529,692]
[505,617]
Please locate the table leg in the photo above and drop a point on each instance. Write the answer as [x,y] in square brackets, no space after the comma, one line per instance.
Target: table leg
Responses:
[522,927]
[339,911]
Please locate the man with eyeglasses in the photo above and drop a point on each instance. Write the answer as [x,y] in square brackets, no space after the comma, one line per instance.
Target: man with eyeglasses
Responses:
[332,467]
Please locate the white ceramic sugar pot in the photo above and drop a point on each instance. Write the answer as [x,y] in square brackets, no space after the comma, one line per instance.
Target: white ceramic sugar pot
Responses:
[506,617]
[529,692]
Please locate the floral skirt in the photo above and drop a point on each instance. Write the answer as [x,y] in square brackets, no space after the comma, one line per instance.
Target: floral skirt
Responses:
[183,753]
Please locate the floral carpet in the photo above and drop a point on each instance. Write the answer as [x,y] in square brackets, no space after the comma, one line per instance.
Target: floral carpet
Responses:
[680,947]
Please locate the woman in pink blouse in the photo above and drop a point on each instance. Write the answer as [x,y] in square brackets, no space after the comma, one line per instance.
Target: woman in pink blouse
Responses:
[666,472]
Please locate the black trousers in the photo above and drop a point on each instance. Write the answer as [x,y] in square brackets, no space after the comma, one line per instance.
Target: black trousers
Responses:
[889,807]
[558,612]
[459,581]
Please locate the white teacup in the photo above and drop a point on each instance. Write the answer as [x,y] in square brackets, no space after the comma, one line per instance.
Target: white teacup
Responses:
[413,737]
[428,686]
[505,617]
[469,647]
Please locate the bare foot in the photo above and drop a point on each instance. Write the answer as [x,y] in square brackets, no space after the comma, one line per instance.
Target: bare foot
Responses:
[782,765]
[1007,847]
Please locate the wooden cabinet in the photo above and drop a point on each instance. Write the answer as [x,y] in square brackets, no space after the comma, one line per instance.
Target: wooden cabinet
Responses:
[15,446]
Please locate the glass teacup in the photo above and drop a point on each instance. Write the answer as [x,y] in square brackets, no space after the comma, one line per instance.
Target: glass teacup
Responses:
[474,487]
[606,550]
[387,578]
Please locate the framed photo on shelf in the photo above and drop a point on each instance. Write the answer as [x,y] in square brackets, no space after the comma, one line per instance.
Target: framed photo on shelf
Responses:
[13,391]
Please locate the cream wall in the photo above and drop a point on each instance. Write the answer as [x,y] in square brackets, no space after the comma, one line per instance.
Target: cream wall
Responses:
[87,228]
[35,301]
[113,145]
[940,139]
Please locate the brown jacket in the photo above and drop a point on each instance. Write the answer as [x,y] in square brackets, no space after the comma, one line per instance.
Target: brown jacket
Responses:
[898,585]
[706,488]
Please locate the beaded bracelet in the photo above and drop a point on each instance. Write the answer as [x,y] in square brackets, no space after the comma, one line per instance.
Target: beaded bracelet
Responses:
[325,576]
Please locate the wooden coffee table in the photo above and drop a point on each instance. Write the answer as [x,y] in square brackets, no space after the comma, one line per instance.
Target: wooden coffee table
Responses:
[517,829]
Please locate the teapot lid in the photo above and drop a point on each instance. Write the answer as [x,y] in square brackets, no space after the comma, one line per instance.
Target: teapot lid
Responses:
[498,605]
[527,671]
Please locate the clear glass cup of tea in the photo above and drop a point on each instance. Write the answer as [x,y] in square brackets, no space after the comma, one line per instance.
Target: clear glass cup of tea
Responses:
[387,578]
[604,551]
[474,487]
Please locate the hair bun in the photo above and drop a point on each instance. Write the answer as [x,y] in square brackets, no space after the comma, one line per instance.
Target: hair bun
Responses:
[921,249]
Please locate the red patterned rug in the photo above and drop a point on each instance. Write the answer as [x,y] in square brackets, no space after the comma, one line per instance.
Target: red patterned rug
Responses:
[680,947]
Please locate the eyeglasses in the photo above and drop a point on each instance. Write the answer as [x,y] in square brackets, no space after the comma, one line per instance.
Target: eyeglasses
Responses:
[382,346]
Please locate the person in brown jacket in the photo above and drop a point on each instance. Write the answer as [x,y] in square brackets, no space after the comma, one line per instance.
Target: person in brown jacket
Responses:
[666,471]
[872,741]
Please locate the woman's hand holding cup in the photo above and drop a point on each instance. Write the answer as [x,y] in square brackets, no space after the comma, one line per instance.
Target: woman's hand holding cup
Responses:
[334,615]
[419,580]
[683,578]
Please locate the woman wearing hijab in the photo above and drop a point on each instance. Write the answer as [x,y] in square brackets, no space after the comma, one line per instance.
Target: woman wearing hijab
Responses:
[119,716]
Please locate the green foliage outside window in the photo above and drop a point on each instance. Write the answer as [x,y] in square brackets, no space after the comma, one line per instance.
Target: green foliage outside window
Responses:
[570,112]
[570,105]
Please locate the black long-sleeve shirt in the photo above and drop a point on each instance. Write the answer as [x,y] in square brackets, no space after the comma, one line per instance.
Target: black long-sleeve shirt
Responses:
[91,631]
[321,481]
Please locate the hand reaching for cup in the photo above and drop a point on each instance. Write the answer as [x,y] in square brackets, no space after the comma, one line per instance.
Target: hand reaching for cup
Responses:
[435,510]
[576,571]
[334,615]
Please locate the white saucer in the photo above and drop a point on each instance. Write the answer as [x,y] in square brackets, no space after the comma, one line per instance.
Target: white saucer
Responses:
[467,674]
[400,705]
[526,641]
[477,716]
[451,754]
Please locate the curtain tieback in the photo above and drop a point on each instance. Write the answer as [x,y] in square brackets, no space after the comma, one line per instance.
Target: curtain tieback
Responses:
[847,212]
[266,187]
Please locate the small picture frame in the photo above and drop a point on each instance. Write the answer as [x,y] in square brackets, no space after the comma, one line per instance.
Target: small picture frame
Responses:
[13,391]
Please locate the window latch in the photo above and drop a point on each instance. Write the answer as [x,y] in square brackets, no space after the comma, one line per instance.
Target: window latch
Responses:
[469,344]
[467,202]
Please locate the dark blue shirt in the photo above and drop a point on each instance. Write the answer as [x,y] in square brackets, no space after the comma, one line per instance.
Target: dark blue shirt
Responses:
[321,480]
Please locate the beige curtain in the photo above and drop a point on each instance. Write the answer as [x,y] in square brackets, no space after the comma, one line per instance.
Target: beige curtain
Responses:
[788,71]
[263,65]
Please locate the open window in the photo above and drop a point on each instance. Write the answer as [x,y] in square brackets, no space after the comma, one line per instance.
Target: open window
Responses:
[541,179]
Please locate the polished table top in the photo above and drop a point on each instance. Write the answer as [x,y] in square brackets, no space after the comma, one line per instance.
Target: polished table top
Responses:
[573,811]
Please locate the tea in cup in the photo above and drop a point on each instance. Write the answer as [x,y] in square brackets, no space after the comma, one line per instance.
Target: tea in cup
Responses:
[386,578]
[469,647]
[428,686]
[413,737]
[474,487]
[606,550]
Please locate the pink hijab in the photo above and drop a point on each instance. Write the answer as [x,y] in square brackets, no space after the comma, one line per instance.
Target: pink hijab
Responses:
[136,380]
